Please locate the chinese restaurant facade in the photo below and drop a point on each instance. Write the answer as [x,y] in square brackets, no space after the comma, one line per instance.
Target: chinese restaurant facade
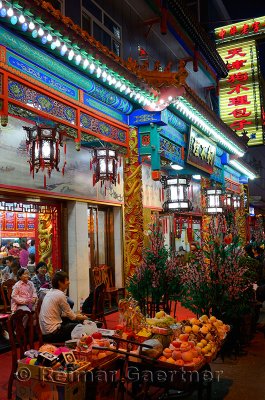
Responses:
[77,219]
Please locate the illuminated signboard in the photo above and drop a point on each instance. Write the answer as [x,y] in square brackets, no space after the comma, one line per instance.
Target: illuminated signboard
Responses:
[241,30]
[240,105]
[201,152]
[246,198]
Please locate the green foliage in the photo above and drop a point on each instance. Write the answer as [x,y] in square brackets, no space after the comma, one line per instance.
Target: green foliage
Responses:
[217,281]
[156,278]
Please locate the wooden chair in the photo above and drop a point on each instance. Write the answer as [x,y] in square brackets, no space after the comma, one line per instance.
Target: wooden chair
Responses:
[97,276]
[6,291]
[98,305]
[21,336]
[111,290]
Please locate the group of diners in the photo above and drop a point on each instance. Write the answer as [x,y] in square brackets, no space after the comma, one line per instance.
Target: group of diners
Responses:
[56,317]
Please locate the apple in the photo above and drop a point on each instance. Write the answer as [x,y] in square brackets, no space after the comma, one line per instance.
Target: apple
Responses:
[184,337]
[89,340]
[176,355]
[97,335]
[176,344]
[187,356]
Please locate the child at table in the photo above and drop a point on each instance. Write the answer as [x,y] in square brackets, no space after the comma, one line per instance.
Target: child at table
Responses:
[24,294]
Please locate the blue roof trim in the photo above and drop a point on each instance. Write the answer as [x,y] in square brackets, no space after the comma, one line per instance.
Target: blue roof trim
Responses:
[172,134]
[59,70]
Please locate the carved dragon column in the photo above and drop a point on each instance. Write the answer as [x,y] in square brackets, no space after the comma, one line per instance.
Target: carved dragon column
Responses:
[45,237]
[133,207]
[205,218]
[240,220]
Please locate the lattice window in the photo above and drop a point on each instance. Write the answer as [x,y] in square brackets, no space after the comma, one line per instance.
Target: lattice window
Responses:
[101,26]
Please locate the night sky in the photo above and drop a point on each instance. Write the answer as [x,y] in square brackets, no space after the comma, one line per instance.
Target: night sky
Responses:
[240,9]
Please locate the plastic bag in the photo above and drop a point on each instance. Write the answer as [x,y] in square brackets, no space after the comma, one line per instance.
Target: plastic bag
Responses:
[78,331]
[90,327]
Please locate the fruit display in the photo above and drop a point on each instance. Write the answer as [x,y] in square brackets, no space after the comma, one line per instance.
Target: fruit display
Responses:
[84,348]
[183,353]
[190,343]
[161,320]
[198,343]
[205,329]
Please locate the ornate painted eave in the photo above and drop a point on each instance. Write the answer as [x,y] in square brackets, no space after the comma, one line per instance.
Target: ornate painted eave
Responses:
[198,35]
[75,46]
[210,115]
[45,12]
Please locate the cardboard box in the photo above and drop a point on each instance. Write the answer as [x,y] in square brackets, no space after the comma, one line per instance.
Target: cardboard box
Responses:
[53,375]
[27,371]
[23,369]
[37,390]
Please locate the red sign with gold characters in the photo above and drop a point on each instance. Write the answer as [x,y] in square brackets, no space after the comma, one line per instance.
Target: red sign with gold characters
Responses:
[240,105]
[240,30]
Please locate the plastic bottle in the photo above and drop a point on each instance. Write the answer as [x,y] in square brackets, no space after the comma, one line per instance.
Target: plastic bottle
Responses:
[81,304]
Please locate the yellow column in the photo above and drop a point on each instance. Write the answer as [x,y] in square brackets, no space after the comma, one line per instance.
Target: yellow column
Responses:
[133,207]
[205,217]
[45,237]
[241,220]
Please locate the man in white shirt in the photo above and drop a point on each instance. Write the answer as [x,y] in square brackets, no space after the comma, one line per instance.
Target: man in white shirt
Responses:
[56,318]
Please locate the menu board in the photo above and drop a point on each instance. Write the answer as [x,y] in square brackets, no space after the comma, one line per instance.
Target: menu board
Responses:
[10,221]
[15,221]
[31,218]
[21,221]
[2,218]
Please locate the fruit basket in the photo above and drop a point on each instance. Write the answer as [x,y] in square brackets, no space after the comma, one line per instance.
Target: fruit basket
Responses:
[96,357]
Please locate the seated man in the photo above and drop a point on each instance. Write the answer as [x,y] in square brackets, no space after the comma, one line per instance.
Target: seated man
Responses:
[56,318]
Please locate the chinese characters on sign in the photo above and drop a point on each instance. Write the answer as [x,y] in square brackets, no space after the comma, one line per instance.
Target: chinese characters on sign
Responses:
[240,29]
[201,151]
[239,93]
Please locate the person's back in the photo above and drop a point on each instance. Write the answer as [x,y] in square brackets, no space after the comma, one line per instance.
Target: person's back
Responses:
[51,311]
[14,250]
[31,248]
[23,256]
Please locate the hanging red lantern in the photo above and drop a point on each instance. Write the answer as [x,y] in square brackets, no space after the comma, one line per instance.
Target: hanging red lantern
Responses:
[105,162]
[43,148]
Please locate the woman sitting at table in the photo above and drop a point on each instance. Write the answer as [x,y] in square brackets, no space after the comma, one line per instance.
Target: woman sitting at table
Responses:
[23,295]
[41,279]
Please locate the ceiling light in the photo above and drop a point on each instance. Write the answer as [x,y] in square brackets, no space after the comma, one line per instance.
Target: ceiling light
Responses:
[10,12]
[176,167]
[22,19]
[31,25]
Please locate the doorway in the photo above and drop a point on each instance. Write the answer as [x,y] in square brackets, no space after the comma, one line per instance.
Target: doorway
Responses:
[101,236]
[37,225]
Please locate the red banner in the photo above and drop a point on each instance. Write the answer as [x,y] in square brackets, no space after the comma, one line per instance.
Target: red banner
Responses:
[189,230]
